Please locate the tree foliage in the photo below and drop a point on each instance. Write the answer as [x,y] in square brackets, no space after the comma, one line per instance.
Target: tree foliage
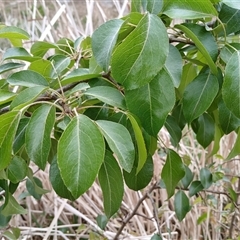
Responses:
[92,107]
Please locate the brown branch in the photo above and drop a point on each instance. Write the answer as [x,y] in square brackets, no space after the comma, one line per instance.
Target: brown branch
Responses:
[180,40]
[129,217]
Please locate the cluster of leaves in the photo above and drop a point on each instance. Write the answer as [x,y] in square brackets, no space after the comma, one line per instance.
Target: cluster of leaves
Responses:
[93,107]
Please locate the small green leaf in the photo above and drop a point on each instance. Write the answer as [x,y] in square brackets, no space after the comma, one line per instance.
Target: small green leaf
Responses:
[206,130]
[9,66]
[156,237]
[189,9]
[152,102]
[17,169]
[228,50]
[38,132]
[57,182]
[60,64]
[13,207]
[137,181]
[104,40]
[154,6]
[33,186]
[202,218]
[231,84]
[43,67]
[102,221]
[13,32]
[78,75]
[173,171]
[236,148]
[199,95]
[119,141]
[142,151]
[39,48]
[80,154]
[27,78]
[187,178]
[107,95]
[206,177]
[26,97]
[111,182]
[8,127]
[195,187]
[6,96]
[181,205]
[142,54]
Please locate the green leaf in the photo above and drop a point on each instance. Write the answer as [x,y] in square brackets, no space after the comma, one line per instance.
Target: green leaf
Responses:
[43,67]
[142,54]
[13,207]
[206,130]
[17,169]
[173,65]
[152,102]
[204,41]
[8,127]
[189,9]
[57,182]
[38,132]
[181,205]
[231,84]
[230,16]
[6,96]
[174,130]
[195,187]
[232,3]
[154,6]
[19,53]
[236,148]
[104,40]
[78,75]
[111,182]
[156,237]
[102,221]
[199,95]
[9,66]
[26,97]
[136,6]
[13,32]
[40,48]
[60,64]
[142,151]
[27,78]
[173,171]
[80,154]
[108,95]
[228,50]
[187,178]
[206,178]
[139,180]
[119,141]
[33,186]
[228,121]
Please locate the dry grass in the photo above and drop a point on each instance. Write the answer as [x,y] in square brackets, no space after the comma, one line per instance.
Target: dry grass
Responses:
[56,218]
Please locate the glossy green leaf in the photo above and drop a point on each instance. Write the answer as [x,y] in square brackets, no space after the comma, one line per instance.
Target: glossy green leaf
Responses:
[173,171]
[181,205]
[19,53]
[154,6]
[40,48]
[27,78]
[102,221]
[189,9]
[142,151]
[104,40]
[80,154]
[9,66]
[77,75]
[228,50]
[230,16]
[6,96]
[187,178]
[174,65]
[111,182]
[13,207]
[108,95]
[119,141]
[199,95]
[174,130]
[33,186]
[26,97]
[206,178]
[206,131]
[231,84]
[152,102]
[204,41]
[13,32]
[17,169]
[43,67]
[139,180]
[8,127]
[38,132]
[232,3]
[228,121]
[195,187]
[142,54]
[57,182]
